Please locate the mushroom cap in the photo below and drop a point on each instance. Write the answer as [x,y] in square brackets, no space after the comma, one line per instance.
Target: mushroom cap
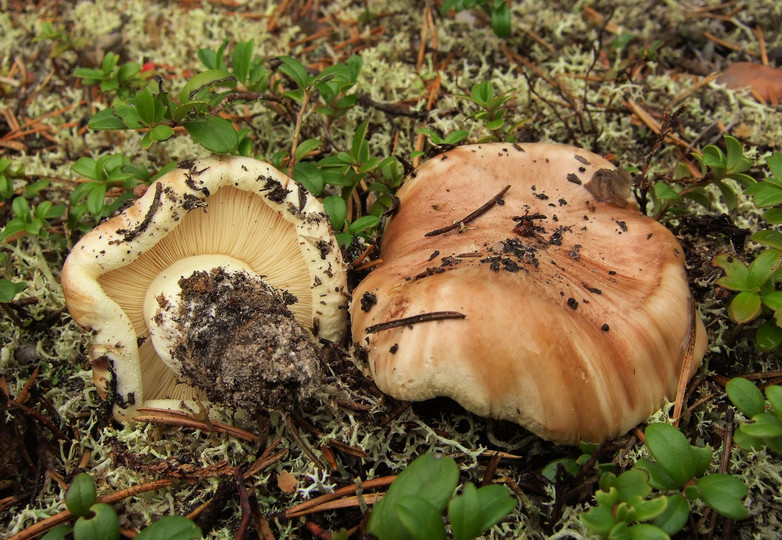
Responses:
[240,208]
[576,308]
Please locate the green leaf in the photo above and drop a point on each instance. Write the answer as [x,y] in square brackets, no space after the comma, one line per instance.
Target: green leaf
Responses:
[746,397]
[769,238]
[363,223]
[724,493]
[775,164]
[60,532]
[658,478]
[769,335]
[744,307]
[100,522]
[645,531]
[703,456]
[310,176]
[773,216]
[106,119]
[129,116]
[736,273]
[161,132]
[763,267]
[599,519]
[305,147]
[464,513]
[671,450]
[170,528]
[295,70]
[337,210]
[774,396]
[765,194]
[95,198]
[241,59]
[745,442]
[500,19]
[9,289]
[419,517]
[477,510]
[736,160]
[550,471]
[150,110]
[81,495]
[729,194]
[203,80]
[764,426]
[675,515]
[428,477]
[86,167]
[648,509]
[665,192]
[631,484]
[213,133]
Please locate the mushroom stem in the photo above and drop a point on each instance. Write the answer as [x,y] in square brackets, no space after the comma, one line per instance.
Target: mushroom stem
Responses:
[231,334]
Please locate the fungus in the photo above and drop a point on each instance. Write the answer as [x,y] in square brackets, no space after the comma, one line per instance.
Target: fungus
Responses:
[523,282]
[176,283]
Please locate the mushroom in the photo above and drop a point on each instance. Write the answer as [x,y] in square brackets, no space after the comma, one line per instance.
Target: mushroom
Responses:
[210,226]
[523,282]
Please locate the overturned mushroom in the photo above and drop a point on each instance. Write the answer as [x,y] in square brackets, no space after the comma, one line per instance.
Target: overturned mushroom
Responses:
[225,227]
[523,282]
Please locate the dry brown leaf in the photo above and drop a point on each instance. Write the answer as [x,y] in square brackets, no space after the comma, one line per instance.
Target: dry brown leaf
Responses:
[765,81]
[286,482]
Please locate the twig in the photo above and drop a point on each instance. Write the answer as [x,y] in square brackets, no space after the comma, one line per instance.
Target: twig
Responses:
[316,504]
[423,317]
[475,214]
[307,450]
[245,506]
[684,373]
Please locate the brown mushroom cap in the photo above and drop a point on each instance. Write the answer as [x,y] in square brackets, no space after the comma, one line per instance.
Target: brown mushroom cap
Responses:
[576,309]
[237,209]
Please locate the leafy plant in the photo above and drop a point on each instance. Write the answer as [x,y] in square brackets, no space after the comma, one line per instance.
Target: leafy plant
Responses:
[8,171]
[492,111]
[9,289]
[624,507]
[572,466]
[99,520]
[122,79]
[498,11]
[768,194]
[415,501]
[29,220]
[765,430]
[716,168]
[63,41]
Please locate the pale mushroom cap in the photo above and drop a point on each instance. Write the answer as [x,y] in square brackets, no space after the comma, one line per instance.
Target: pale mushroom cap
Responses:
[575,328]
[240,208]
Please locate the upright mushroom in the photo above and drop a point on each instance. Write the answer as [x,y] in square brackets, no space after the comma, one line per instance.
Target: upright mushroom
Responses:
[212,226]
[523,282]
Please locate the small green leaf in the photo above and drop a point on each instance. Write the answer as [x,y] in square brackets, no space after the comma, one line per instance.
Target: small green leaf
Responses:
[703,456]
[171,528]
[600,519]
[421,519]
[477,510]
[363,223]
[671,450]
[769,335]
[81,495]
[765,194]
[773,216]
[310,176]
[769,238]
[645,531]
[203,80]
[106,119]
[774,396]
[305,147]
[775,164]
[213,133]
[763,426]
[724,493]
[500,19]
[665,192]
[428,477]
[744,307]
[736,273]
[295,70]
[100,522]
[675,515]
[86,167]
[763,267]
[648,509]
[746,397]
[60,532]
[337,210]
[631,484]
[161,132]
[658,478]
[745,442]
[568,464]
[9,290]
[736,160]
[242,58]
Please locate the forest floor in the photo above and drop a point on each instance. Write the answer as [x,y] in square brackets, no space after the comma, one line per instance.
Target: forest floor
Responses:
[636,81]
